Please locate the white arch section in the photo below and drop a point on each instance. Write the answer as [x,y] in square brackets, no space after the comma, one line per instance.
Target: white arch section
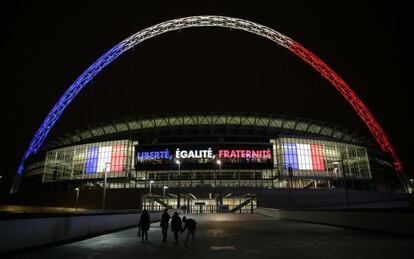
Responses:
[207,21]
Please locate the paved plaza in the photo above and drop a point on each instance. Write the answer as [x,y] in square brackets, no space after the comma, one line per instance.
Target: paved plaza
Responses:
[239,236]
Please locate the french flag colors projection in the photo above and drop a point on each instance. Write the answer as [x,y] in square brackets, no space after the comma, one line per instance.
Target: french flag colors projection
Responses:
[99,159]
[303,156]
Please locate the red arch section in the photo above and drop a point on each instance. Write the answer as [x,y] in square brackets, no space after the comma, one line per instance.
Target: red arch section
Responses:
[351,97]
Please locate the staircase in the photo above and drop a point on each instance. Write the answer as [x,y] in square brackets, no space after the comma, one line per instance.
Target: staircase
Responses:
[161,202]
[240,206]
[308,184]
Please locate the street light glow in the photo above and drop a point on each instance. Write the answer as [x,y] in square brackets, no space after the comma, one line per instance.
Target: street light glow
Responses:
[165,187]
[178,162]
[219,162]
[77,198]
[151,181]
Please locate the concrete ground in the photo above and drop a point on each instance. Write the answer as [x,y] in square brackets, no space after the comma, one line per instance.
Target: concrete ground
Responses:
[239,236]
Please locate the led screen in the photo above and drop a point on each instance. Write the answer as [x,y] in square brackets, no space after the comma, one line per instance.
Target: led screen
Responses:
[107,158]
[203,156]
[303,156]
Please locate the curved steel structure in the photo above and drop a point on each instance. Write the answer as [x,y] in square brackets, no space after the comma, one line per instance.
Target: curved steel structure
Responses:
[259,122]
[204,21]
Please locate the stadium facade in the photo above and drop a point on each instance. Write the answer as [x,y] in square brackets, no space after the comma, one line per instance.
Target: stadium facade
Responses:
[214,152]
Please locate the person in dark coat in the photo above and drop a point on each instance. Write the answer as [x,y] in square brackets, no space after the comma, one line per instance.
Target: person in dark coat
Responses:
[190,225]
[176,226]
[165,217]
[144,225]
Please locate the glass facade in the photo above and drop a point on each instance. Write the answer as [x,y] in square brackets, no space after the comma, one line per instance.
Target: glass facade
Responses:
[89,161]
[318,159]
[296,162]
[188,204]
[261,178]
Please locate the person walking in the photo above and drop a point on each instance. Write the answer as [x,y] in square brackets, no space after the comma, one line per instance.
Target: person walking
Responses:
[190,225]
[165,217]
[176,226]
[144,225]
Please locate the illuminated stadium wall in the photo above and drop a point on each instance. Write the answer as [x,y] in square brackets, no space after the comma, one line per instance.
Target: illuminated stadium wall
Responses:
[209,161]
[89,161]
[321,159]
[215,164]
[204,156]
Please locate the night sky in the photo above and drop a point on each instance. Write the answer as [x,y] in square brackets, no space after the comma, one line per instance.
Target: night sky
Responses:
[45,47]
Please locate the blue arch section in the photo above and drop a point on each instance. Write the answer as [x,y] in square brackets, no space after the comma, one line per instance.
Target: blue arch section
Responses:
[67,98]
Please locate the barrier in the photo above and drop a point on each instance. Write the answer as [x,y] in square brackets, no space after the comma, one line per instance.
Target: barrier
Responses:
[36,230]
[397,221]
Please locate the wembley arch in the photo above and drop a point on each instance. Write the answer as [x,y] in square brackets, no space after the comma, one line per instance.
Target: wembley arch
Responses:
[207,21]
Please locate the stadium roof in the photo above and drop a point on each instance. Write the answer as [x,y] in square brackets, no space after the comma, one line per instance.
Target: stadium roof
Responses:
[261,122]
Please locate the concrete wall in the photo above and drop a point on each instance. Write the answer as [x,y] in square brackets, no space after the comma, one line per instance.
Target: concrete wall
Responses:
[392,221]
[29,232]
[88,198]
[316,198]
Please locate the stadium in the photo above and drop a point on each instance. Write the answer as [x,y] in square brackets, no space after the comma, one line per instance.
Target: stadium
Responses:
[212,161]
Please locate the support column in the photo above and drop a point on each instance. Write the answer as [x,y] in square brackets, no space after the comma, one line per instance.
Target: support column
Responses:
[178,201]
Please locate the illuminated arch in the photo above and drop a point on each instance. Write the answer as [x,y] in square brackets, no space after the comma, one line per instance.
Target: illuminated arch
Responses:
[204,21]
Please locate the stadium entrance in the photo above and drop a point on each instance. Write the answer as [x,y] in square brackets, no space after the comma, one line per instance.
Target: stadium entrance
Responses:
[209,203]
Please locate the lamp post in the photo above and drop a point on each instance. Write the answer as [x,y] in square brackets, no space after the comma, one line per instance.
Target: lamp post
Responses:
[77,198]
[179,172]
[219,172]
[151,182]
[219,175]
[163,192]
[341,170]
[290,176]
[150,194]
[104,186]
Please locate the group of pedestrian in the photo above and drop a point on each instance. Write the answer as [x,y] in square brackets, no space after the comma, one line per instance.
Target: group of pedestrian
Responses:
[176,226]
